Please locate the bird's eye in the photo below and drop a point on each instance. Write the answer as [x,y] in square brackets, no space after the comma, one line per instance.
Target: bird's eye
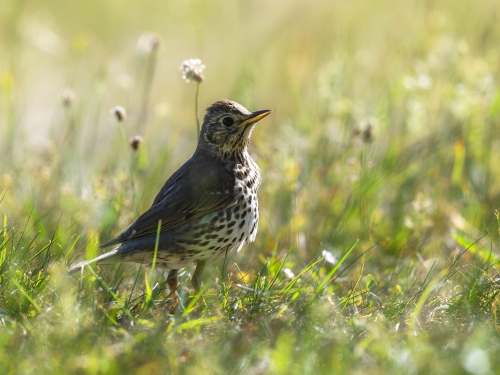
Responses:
[228,121]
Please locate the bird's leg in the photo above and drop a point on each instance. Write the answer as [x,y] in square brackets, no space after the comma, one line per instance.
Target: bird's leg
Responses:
[196,279]
[198,272]
[172,284]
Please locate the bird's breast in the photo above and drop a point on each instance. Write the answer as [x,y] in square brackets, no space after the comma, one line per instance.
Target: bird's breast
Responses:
[225,230]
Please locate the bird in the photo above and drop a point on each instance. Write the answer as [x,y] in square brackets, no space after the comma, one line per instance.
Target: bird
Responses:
[206,209]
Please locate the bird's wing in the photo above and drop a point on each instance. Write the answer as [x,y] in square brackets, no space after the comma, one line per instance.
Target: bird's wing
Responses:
[195,190]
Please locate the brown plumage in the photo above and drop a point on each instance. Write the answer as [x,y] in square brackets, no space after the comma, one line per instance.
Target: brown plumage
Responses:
[207,208]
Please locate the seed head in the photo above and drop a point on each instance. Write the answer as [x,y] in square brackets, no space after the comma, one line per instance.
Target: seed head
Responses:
[368,134]
[119,112]
[67,97]
[192,69]
[148,42]
[135,142]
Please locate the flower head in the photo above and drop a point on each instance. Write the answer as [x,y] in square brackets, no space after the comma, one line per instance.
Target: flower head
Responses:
[67,97]
[119,112]
[135,142]
[329,257]
[192,69]
[148,42]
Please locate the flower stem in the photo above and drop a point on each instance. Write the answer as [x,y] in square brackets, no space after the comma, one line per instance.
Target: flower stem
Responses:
[130,167]
[196,109]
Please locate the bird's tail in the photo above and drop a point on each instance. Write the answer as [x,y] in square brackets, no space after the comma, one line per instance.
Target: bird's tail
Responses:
[104,257]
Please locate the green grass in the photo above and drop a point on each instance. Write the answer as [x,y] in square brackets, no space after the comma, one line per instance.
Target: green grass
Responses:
[378,245]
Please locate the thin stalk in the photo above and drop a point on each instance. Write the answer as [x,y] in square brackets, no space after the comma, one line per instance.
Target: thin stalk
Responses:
[130,165]
[196,108]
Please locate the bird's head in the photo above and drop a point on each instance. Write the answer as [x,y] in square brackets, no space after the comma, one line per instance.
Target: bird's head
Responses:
[227,128]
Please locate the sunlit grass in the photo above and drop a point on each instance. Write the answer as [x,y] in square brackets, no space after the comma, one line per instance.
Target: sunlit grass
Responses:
[377,248]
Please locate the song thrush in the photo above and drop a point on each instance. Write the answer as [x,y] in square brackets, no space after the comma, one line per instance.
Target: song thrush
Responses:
[207,208]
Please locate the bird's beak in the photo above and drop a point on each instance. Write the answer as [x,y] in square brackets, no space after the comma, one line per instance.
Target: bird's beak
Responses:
[256,116]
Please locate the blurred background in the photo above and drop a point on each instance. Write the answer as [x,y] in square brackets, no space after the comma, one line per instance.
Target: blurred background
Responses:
[385,128]
[384,125]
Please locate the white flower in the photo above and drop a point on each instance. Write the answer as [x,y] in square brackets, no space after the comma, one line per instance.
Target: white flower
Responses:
[289,273]
[329,257]
[192,69]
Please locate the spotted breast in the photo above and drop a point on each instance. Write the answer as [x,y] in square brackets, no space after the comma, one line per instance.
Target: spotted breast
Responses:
[219,233]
